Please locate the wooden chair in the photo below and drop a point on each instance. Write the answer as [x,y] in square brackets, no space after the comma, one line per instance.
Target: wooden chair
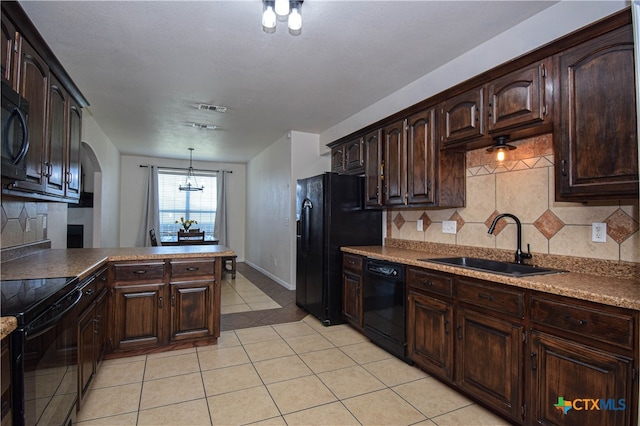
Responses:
[152,236]
[232,269]
[185,238]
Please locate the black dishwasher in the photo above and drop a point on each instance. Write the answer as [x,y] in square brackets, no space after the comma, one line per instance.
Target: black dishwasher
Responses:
[385,305]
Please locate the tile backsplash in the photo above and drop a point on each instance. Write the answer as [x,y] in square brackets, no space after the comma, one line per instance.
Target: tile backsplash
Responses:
[23,222]
[523,185]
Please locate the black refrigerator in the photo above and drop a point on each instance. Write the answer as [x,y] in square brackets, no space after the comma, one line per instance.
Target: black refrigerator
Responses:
[330,213]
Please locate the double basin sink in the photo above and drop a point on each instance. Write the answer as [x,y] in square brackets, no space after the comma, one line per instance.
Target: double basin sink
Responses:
[494,266]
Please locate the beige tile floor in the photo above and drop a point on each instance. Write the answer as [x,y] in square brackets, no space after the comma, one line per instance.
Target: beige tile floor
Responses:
[241,295]
[299,373]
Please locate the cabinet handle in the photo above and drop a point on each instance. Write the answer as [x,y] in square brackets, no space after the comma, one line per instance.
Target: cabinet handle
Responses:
[485,296]
[89,292]
[446,328]
[160,302]
[563,170]
[69,176]
[140,272]
[459,329]
[533,355]
[173,300]
[428,283]
[490,109]
[47,167]
[193,268]
[574,321]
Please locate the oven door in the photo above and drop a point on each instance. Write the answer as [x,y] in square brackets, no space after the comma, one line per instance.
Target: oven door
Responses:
[47,376]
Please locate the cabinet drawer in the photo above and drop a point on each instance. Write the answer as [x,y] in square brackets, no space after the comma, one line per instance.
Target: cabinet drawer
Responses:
[607,326]
[192,268]
[489,296]
[138,271]
[352,262]
[422,279]
[89,293]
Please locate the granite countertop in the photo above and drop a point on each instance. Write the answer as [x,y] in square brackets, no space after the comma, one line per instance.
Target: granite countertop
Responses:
[82,262]
[7,325]
[612,291]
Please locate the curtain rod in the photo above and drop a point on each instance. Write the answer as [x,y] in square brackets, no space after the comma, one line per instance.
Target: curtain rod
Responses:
[185,169]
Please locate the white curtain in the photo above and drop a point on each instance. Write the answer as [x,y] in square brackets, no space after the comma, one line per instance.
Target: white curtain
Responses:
[151,209]
[220,229]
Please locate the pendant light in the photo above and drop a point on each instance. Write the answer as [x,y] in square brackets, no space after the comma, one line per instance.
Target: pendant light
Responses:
[190,182]
[501,147]
[282,10]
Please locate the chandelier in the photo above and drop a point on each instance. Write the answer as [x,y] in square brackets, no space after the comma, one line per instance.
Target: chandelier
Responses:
[190,182]
[280,10]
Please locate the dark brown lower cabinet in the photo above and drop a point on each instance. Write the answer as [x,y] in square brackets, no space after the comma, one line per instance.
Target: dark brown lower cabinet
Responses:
[138,313]
[192,305]
[489,360]
[430,337]
[596,384]
[352,298]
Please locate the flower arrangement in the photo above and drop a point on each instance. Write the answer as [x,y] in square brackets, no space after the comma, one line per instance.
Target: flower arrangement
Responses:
[186,224]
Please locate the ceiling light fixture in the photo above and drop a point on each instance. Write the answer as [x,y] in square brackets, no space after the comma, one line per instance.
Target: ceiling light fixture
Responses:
[215,108]
[501,147]
[190,182]
[275,10]
[203,126]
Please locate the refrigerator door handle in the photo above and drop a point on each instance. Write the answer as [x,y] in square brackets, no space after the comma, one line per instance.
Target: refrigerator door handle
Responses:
[307,205]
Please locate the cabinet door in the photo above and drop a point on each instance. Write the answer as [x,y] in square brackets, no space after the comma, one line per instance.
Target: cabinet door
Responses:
[430,343]
[34,87]
[101,326]
[373,168]
[55,152]
[8,42]
[192,309]
[337,159]
[598,155]
[86,350]
[395,164]
[138,316]
[517,98]
[354,156]
[566,372]
[462,117]
[74,132]
[352,298]
[421,154]
[489,360]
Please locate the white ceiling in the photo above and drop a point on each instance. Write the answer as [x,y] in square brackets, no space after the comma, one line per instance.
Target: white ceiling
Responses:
[145,65]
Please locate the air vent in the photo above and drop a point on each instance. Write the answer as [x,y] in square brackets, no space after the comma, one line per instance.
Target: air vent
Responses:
[215,108]
[204,126]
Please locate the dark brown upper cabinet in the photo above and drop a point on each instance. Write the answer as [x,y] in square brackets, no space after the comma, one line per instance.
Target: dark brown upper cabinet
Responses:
[337,159]
[462,117]
[518,98]
[348,157]
[373,168]
[8,32]
[421,157]
[395,164]
[596,132]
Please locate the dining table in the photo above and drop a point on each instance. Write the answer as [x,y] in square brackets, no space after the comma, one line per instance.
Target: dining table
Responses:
[172,240]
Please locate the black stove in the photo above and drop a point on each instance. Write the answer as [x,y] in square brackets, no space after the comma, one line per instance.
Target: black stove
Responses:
[27,299]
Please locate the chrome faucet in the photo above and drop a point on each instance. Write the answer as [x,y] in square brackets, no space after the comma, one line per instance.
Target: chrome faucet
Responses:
[519,254]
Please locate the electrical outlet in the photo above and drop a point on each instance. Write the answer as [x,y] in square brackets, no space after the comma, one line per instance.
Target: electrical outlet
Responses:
[420,225]
[449,226]
[599,232]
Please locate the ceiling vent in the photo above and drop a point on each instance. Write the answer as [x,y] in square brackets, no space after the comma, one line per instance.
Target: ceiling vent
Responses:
[204,126]
[215,108]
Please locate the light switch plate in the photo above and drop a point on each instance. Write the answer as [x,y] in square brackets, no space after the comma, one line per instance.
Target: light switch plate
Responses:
[599,232]
[420,225]
[449,226]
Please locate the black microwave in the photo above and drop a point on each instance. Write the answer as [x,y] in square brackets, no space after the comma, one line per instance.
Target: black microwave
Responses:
[15,135]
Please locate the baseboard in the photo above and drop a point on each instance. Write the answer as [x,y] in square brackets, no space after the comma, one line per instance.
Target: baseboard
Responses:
[284,284]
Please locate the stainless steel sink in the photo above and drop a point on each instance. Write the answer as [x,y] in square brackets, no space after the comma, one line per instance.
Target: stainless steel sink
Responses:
[494,266]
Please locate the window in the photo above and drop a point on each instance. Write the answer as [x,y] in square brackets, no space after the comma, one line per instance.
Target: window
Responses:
[196,205]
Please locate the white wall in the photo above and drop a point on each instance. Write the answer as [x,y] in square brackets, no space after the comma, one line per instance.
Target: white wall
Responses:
[132,187]
[106,191]
[269,223]
[548,25]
